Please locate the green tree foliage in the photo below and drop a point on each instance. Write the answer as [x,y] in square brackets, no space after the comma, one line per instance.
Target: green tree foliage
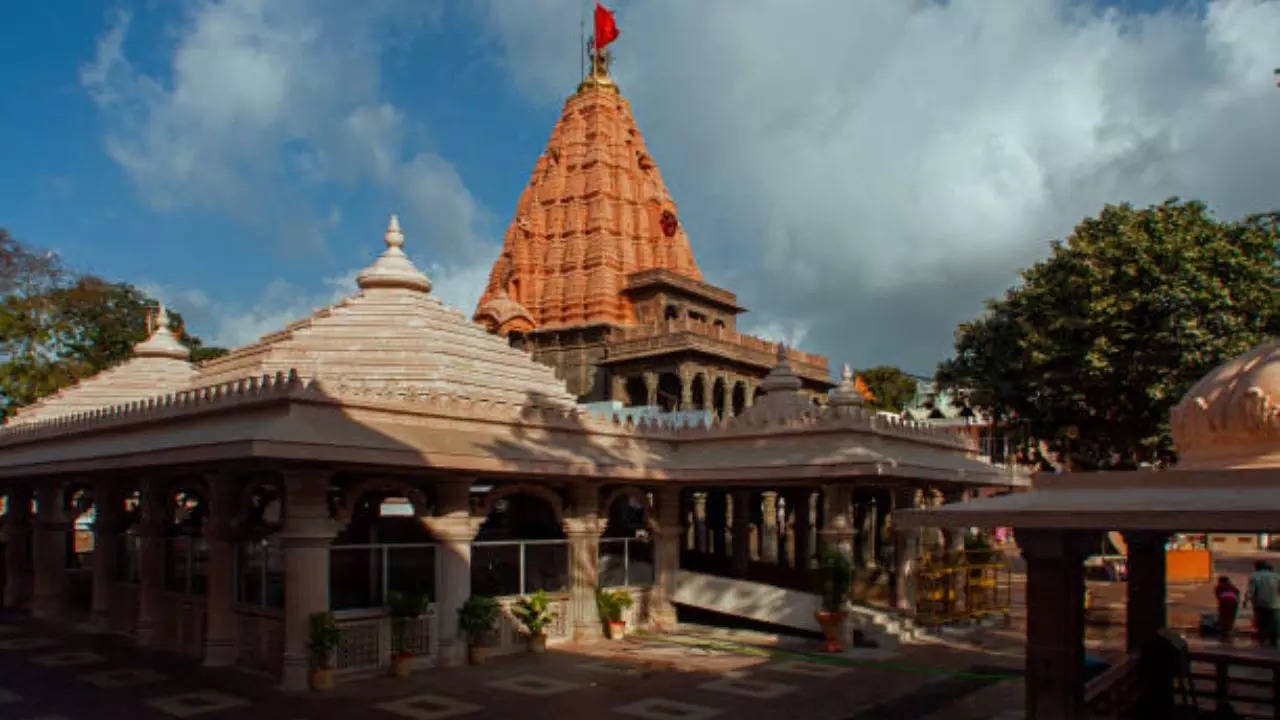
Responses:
[892,387]
[57,327]
[1100,340]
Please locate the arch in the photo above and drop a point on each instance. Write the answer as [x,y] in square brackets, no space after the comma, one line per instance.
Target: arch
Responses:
[671,313]
[739,399]
[253,508]
[504,491]
[351,498]
[637,393]
[698,391]
[669,389]
[631,492]
[757,394]
[717,394]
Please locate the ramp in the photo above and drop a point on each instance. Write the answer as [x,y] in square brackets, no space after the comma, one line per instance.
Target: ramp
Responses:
[743,598]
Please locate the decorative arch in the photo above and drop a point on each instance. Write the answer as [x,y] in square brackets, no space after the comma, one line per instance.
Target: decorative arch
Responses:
[350,500]
[551,497]
[253,498]
[630,491]
[738,401]
[699,391]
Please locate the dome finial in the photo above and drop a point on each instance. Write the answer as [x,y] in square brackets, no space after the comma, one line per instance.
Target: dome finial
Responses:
[161,341]
[162,317]
[846,394]
[393,269]
[393,236]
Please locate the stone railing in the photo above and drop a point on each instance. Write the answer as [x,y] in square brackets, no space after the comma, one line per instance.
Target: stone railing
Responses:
[643,339]
[364,640]
[1113,693]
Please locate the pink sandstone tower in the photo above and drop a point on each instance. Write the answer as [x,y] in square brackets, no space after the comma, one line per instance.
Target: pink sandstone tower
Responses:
[597,277]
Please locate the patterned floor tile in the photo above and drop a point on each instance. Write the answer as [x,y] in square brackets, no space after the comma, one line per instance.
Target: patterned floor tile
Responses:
[196,703]
[534,685]
[428,707]
[613,668]
[749,687]
[67,659]
[28,643]
[123,677]
[808,669]
[664,709]
[8,696]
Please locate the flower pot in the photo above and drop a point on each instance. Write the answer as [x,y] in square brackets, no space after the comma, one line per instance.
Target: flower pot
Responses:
[832,623]
[617,629]
[321,678]
[538,643]
[477,654]
[401,664]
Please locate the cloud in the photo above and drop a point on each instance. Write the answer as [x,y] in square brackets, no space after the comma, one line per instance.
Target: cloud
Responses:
[870,172]
[266,106]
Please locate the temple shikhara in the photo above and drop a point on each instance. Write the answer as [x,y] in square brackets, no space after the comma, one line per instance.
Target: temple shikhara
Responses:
[390,444]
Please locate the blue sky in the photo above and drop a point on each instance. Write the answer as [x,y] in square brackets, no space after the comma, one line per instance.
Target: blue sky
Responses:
[862,183]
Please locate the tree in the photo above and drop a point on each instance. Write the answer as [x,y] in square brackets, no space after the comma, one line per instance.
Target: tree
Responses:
[1101,339]
[57,327]
[892,388]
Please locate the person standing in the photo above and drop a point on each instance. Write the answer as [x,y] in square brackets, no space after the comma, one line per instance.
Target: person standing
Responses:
[1228,601]
[1264,595]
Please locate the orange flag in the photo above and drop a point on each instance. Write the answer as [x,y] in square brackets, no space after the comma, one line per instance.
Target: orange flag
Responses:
[606,27]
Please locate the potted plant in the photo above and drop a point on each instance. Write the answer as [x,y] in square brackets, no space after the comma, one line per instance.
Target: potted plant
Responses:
[324,637]
[405,607]
[611,604]
[476,618]
[836,578]
[535,614]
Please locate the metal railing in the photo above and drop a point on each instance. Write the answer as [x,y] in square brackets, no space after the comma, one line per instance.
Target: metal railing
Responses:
[963,586]
[633,574]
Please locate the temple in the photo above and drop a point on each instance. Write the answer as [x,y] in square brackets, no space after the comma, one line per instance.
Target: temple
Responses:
[598,280]
[390,444]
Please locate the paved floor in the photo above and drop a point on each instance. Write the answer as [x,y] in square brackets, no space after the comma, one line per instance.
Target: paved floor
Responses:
[49,672]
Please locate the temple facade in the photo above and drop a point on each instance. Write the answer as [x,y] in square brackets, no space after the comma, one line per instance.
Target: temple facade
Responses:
[597,277]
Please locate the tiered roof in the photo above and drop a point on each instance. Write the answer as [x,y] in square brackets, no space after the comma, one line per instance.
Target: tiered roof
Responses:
[595,210]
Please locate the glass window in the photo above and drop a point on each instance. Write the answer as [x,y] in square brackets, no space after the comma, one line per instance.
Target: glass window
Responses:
[259,573]
[495,570]
[639,562]
[127,558]
[176,560]
[412,570]
[546,567]
[355,577]
[612,563]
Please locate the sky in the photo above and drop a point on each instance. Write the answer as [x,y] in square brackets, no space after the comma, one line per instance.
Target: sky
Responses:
[862,174]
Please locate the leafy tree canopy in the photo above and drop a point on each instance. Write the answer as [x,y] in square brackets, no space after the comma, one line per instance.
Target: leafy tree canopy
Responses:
[892,388]
[57,327]
[1100,340]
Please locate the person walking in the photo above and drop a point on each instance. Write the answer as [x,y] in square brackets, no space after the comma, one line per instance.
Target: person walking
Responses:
[1228,602]
[1264,595]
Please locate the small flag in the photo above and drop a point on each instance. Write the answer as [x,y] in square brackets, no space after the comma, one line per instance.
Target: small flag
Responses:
[606,27]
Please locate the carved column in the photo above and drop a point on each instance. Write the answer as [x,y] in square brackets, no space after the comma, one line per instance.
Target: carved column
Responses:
[726,402]
[651,388]
[749,394]
[17,531]
[867,525]
[955,550]
[453,530]
[769,526]
[667,556]
[220,618]
[107,524]
[618,389]
[906,551]
[582,525]
[305,538]
[152,523]
[741,532]
[686,389]
[700,521]
[50,551]
[837,528]
[1055,621]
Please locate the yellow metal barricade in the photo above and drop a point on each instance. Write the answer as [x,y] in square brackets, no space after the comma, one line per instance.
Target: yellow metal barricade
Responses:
[971,585]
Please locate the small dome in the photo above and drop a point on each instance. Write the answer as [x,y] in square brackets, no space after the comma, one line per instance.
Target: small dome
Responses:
[1231,417]
[500,314]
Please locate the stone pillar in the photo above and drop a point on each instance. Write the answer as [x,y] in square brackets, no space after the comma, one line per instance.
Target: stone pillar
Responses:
[955,553]
[866,517]
[220,618]
[741,532]
[749,398]
[152,522]
[453,529]
[1055,621]
[618,389]
[50,552]
[582,525]
[837,526]
[1145,609]
[726,402]
[650,388]
[804,524]
[17,532]
[769,526]
[667,556]
[305,538]
[686,390]
[700,521]
[906,551]
[107,524]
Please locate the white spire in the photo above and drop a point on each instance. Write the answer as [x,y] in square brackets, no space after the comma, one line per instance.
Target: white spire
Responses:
[846,393]
[393,269]
[162,342]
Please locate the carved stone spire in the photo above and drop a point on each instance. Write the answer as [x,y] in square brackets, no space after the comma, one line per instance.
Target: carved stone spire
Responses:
[846,394]
[162,342]
[781,379]
[393,269]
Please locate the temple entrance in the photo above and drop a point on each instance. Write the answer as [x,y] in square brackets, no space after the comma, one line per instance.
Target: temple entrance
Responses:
[637,393]
[669,392]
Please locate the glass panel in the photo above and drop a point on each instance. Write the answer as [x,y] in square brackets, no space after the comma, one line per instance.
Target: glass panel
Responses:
[176,558]
[249,573]
[611,564]
[412,570]
[275,574]
[495,570]
[355,578]
[546,567]
[640,562]
[199,566]
[127,558]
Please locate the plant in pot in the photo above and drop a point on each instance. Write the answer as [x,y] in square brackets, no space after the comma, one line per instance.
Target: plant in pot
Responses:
[611,604]
[535,614]
[405,607]
[476,619]
[323,641]
[836,578]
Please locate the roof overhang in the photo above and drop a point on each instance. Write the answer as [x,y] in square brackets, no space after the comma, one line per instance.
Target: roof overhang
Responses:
[663,278]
